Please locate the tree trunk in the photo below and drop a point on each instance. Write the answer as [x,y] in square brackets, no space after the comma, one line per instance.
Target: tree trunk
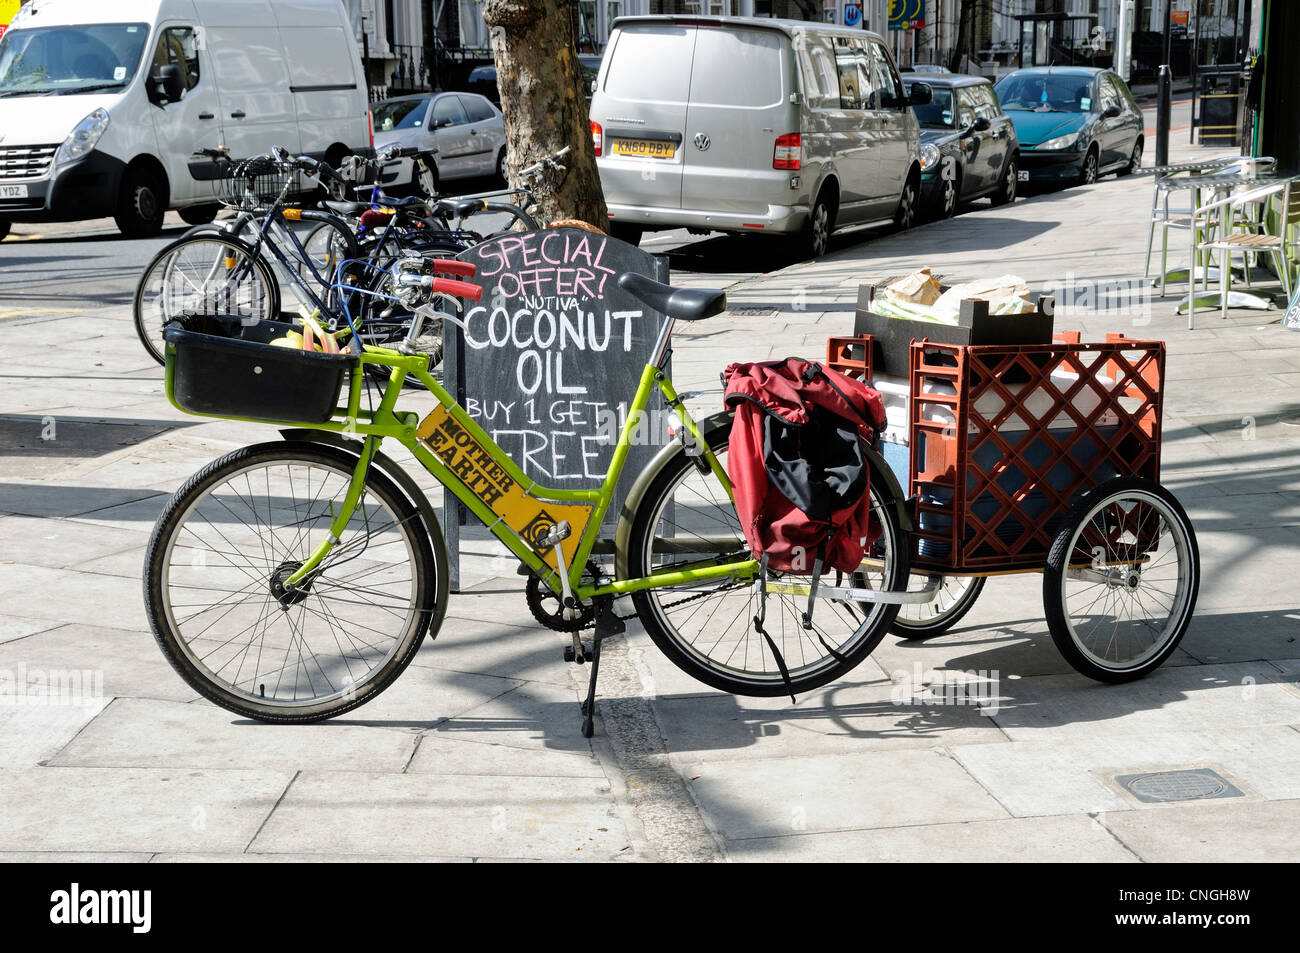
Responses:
[541,96]
[964,20]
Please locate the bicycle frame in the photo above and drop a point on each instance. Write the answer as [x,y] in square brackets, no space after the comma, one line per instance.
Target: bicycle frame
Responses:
[470,458]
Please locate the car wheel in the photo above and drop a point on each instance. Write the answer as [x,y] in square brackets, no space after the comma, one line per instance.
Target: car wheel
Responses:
[4,229]
[1088,174]
[141,204]
[814,239]
[948,198]
[199,214]
[905,215]
[425,178]
[626,233]
[1134,161]
[1006,193]
[502,173]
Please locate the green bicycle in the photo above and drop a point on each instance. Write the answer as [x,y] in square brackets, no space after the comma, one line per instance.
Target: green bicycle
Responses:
[294,580]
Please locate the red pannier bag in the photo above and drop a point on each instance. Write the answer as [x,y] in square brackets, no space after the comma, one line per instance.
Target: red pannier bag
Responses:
[798,466]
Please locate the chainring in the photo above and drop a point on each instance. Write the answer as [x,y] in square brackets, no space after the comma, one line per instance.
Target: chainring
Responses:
[546,606]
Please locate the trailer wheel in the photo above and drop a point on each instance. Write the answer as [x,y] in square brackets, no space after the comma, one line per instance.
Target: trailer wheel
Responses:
[1121,580]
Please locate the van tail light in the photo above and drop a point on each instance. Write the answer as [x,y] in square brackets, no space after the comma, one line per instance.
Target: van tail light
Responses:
[597,137]
[788,152]
[370,124]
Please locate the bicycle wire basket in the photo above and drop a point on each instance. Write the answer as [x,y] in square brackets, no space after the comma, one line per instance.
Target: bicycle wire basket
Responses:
[252,183]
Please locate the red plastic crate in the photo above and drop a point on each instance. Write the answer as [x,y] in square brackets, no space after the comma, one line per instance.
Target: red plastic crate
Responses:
[989,500]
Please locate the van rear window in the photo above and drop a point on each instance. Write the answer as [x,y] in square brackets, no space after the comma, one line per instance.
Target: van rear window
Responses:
[651,62]
[739,68]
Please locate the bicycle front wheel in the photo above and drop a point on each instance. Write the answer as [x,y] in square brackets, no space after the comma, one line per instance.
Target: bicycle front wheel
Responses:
[207,273]
[214,584]
[707,628]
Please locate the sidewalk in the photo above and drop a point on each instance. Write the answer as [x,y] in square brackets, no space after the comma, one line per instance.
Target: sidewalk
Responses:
[475,753]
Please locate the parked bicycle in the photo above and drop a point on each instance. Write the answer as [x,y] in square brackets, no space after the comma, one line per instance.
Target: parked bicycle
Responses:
[218,270]
[294,580]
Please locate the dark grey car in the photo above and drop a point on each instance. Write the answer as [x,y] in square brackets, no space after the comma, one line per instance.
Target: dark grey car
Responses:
[969,147]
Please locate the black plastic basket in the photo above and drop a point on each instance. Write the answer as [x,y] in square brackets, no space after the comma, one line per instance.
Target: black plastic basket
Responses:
[221,367]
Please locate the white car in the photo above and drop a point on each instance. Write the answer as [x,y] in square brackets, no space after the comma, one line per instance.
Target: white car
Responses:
[465,128]
[103,106]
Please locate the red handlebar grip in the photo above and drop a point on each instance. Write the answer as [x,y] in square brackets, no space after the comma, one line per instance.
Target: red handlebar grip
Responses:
[447,266]
[461,289]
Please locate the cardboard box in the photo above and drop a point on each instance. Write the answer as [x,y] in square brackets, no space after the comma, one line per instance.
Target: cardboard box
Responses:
[975,326]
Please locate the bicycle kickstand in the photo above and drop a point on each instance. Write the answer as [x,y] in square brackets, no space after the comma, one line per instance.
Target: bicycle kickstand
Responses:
[607,623]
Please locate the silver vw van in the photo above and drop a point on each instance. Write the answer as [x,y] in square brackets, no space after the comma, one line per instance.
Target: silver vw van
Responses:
[753,125]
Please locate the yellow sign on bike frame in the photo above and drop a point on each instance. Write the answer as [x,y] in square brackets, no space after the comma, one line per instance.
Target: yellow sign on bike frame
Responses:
[530,517]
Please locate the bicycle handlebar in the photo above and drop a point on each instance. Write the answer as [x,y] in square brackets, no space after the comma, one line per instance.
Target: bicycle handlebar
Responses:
[550,162]
[448,266]
[446,286]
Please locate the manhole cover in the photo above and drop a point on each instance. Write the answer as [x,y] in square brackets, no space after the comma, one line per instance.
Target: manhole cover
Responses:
[1191,785]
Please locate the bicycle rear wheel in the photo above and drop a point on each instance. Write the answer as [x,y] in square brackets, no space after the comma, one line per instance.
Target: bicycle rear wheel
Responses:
[954,598]
[214,583]
[208,273]
[707,628]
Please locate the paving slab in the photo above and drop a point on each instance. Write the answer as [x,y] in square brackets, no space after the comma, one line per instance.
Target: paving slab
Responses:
[64,595]
[135,809]
[1071,839]
[36,499]
[744,799]
[71,857]
[1076,774]
[57,544]
[842,718]
[13,627]
[252,858]
[532,731]
[422,814]
[1187,698]
[423,698]
[35,728]
[1223,832]
[129,663]
[150,733]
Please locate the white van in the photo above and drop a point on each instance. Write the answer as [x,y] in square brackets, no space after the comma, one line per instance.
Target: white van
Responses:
[755,126]
[103,105]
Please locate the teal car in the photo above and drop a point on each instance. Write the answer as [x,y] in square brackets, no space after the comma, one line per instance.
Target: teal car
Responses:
[1074,123]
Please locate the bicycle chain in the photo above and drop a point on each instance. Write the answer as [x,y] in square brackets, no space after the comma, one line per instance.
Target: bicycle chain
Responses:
[670,605]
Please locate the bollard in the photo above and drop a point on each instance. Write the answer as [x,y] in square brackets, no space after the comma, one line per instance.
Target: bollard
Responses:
[1163,107]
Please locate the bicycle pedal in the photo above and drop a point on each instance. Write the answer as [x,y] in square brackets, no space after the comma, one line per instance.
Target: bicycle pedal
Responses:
[579,653]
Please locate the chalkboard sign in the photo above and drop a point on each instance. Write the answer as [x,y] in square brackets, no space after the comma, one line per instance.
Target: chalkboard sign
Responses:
[1292,317]
[549,359]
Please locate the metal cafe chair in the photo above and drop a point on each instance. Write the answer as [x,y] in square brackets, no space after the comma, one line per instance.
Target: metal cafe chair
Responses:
[1160,210]
[1271,213]
[1242,171]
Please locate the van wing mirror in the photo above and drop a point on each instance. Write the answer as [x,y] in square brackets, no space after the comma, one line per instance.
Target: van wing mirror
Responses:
[1110,112]
[981,124]
[169,84]
[922,94]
